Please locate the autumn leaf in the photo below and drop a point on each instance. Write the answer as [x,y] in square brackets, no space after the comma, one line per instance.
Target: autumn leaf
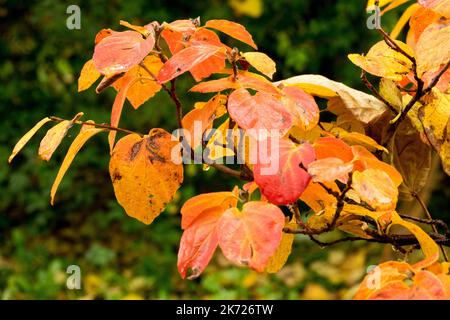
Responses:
[195,206]
[259,112]
[120,51]
[281,255]
[186,59]
[217,146]
[362,106]
[261,62]
[88,76]
[232,29]
[200,216]
[412,158]
[403,19]
[385,62]
[329,169]
[302,106]
[317,198]
[278,171]
[433,48]
[251,236]
[363,160]
[198,243]
[442,7]
[197,121]
[144,174]
[87,131]
[244,79]
[54,136]
[103,34]
[330,147]
[419,21]
[26,137]
[435,118]
[144,84]
[375,188]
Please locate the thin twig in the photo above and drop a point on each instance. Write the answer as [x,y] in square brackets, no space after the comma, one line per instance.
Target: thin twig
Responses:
[98,125]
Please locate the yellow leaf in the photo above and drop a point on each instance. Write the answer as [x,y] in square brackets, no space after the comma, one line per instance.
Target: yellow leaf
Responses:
[215,147]
[89,74]
[53,138]
[433,47]
[86,132]
[146,172]
[391,93]
[429,248]
[27,136]
[376,188]
[381,3]
[251,8]
[261,62]
[279,258]
[385,62]
[357,138]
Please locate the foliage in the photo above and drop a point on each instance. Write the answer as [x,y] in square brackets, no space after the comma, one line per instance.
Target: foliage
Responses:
[354,190]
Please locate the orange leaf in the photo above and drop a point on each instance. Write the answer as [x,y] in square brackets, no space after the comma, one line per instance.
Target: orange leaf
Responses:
[251,236]
[259,112]
[365,160]
[144,174]
[232,29]
[88,76]
[197,121]
[186,59]
[278,171]
[145,85]
[330,147]
[245,79]
[441,7]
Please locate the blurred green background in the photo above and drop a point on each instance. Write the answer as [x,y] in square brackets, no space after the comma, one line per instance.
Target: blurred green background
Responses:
[120,258]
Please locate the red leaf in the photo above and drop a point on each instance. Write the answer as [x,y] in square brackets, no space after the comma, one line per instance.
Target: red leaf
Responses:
[185,60]
[200,216]
[278,171]
[259,112]
[120,51]
[252,236]
[232,29]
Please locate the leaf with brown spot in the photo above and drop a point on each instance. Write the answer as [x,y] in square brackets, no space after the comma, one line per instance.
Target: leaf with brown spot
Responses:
[144,173]
[385,62]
